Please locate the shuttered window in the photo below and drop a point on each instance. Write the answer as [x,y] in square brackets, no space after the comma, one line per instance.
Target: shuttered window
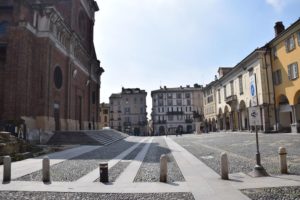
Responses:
[293,71]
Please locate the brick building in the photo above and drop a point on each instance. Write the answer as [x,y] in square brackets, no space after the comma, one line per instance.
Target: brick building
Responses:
[49,71]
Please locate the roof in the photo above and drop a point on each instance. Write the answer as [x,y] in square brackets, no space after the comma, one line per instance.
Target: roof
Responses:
[284,32]
[175,89]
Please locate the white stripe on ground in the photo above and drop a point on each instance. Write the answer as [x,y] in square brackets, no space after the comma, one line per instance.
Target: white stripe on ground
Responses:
[31,165]
[130,172]
[93,175]
[203,182]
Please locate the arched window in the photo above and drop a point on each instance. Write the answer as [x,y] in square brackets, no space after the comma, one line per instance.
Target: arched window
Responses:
[58,77]
[3,27]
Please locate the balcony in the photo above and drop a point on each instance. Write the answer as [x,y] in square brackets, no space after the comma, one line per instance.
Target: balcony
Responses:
[189,121]
[231,99]
[127,123]
[161,122]
[175,113]
[142,123]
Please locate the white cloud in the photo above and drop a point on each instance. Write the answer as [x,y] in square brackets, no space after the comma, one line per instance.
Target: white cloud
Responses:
[277,4]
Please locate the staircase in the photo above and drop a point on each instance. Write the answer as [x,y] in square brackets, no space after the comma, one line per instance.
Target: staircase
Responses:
[99,137]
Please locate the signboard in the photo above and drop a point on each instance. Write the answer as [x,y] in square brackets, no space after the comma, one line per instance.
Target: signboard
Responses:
[254,116]
[253,91]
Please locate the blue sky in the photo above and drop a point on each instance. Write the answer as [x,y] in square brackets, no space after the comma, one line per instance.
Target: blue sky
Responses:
[152,43]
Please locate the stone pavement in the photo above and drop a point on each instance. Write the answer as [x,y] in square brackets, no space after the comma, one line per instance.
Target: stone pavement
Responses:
[200,180]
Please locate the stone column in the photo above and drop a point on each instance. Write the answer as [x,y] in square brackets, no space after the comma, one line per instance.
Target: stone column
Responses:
[6,169]
[163,168]
[294,125]
[224,122]
[46,170]
[231,120]
[224,166]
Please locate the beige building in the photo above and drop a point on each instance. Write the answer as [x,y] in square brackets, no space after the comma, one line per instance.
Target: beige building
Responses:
[104,115]
[233,94]
[128,111]
[174,109]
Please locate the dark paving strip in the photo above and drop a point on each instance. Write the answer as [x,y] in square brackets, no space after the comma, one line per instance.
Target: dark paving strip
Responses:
[73,169]
[273,193]
[150,169]
[12,195]
[116,170]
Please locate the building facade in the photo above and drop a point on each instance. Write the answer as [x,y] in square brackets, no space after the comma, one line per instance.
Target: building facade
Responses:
[174,109]
[285,57]
[128,111]
[234,98]
[104,115]
[49,71]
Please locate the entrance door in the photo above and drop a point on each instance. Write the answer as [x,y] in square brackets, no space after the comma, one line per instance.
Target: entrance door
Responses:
[57,117]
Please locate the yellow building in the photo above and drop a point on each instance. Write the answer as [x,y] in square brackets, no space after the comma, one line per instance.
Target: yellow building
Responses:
[104,115]
[285,57]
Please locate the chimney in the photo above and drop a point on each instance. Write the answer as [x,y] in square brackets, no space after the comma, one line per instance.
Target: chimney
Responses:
[279,28]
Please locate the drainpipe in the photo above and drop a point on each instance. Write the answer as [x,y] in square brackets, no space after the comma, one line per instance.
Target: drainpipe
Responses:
[274,99]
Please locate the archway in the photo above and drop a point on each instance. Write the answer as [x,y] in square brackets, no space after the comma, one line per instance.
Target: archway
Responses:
[220,119]
[227,118]
[162,130]
[285,114]
[243,122]
[296,112]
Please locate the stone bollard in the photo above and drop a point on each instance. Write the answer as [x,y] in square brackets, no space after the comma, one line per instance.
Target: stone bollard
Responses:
[6,169]
[163,168]
[46,170]
[224,166]
[103,172]
[282,158]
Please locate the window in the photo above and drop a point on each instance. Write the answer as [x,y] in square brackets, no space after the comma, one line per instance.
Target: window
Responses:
[179,102]
[187,95]
[277,77]
[3,27]
[225,93]
[170,118]
[298,34]
[293,71]
[170,102]
[178,96]
[135,100]
[231,88]
[58,77]
[142,110]
[241,85]
[105,118]
[141,100]
[188,102]
[105,111]
[2,55]
[290,44]
[170,96]
[160,102]
[219,95]
[274,52]
[160,96]
[127,110]
[210,99]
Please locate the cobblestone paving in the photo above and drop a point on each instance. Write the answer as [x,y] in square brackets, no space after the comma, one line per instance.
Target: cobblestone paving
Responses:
[73,169]
[93,196]
[282,193]
[150,169]
[241,149]
[116,170]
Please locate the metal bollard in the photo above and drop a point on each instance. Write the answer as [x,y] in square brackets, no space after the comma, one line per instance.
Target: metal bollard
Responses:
[46,170]
[224,166]
[282,159]
[103,172]
[6,169]
[163,168]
